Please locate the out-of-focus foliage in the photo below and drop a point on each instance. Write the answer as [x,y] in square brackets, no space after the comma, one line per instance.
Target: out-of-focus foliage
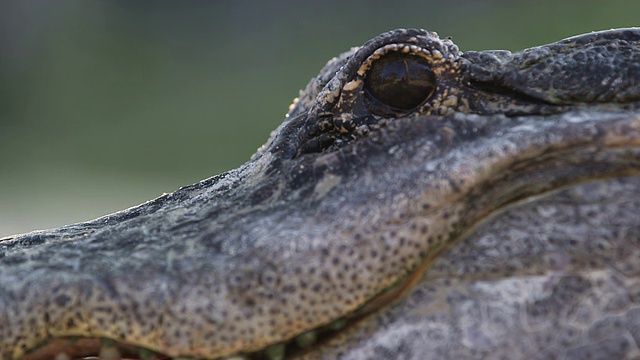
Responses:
[105,104]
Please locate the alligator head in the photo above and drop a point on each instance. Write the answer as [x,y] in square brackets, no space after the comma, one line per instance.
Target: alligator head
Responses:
[407,207]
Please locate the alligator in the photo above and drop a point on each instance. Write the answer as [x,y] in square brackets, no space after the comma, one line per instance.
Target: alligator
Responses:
[417,202]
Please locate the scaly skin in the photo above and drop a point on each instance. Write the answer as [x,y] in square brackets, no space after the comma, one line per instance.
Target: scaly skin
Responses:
[351,200]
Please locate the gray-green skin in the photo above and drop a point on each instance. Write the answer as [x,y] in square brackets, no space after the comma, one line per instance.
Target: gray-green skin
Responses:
[514,188]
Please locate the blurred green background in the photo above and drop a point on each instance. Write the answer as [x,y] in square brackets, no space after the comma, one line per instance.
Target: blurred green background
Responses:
[106,104]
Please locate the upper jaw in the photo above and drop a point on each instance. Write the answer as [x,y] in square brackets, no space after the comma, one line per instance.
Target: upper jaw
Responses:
[391,185]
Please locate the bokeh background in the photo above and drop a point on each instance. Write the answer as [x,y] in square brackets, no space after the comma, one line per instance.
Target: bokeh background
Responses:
[106,104]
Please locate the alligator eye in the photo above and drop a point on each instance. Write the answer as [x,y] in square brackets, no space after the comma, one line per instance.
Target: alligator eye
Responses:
[400,81]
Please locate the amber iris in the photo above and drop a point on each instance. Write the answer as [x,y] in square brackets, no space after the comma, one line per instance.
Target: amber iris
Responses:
[400,81]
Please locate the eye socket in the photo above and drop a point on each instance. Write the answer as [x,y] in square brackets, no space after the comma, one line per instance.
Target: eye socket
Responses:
[400,81]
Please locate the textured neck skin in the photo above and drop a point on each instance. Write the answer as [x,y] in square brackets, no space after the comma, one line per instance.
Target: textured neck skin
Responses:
[341,205]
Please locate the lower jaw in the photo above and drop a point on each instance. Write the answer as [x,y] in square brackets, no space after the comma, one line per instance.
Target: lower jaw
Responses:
[91,348]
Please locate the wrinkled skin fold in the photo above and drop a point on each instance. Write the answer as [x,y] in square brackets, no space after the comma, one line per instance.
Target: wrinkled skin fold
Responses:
[492,225]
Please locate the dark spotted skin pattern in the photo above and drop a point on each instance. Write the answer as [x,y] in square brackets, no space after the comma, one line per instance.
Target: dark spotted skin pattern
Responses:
[505,207]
